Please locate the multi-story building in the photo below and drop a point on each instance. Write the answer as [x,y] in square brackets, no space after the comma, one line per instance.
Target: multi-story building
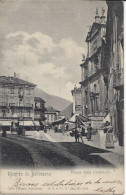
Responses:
[77,102]
[51,114]
[114,66]
[16,98]
[39,109]
[16,101]
[92,72]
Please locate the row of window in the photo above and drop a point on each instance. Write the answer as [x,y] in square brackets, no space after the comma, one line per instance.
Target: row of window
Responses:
[20,114]
[12,90]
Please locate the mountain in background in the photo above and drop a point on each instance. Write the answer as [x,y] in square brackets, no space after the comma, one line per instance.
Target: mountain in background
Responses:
[51,100]
[68,111]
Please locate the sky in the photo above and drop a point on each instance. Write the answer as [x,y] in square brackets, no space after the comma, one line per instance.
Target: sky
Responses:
[43,41]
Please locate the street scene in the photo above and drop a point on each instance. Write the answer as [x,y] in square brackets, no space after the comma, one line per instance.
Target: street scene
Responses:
[62,85]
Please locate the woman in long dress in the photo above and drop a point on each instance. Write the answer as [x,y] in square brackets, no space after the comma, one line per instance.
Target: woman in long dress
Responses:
[89,132]
[109,143]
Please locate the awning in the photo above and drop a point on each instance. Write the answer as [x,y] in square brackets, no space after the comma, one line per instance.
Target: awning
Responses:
[73,118]
[36,123]
[61,121]
[80,118]
[107,118]
[26,123]
[5,123]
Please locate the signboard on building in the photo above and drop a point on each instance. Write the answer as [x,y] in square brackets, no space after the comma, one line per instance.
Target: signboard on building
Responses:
[78,107]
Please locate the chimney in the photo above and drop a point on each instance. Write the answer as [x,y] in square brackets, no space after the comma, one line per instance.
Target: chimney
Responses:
[102,16]
[97,17]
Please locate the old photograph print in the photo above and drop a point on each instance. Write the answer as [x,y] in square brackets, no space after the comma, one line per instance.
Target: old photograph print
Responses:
[61,96]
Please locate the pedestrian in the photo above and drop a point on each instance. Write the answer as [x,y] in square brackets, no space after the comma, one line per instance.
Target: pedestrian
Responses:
[4,134]
[83,131]
[76,134]
[109,142]
[89,132]
[56,129]
[20,130]
[105,127]
[45,129]
[67,127]
[12,127]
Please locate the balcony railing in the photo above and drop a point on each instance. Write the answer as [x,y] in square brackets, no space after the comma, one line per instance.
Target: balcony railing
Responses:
[118,78]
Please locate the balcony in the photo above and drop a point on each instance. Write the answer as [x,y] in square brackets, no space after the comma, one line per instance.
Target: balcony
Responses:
[118,78]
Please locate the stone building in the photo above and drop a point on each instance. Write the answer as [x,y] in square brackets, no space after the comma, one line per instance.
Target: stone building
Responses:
[39,109]
[92,71]
[77,105]
[114,63]
[16,99]
[51,114]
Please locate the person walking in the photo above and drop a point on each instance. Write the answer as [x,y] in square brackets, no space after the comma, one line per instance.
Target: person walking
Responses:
[4,134]
[89,132]
[76,135]
[109,142]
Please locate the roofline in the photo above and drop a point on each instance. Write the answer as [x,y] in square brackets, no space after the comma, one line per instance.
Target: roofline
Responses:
[16,84]
[39,98]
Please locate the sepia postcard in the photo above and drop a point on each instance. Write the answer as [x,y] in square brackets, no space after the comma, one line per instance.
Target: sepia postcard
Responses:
[61,97]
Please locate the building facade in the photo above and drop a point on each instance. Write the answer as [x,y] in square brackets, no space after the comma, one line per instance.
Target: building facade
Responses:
[77,101]
[51,114]
[39,109]
[114,63]
[92,72]
[16,98]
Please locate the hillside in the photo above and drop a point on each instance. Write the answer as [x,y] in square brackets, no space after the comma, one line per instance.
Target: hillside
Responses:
[68,111]
[51,100]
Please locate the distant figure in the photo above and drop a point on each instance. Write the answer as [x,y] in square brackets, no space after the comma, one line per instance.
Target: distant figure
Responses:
[83,131]
[4,133]
[109,143]
[76,135]
[67,127]
[12,126]
[55,128]
[45,129]
[20,130]
[89,132]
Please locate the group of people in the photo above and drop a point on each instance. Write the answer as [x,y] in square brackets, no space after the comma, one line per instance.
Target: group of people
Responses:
[61,128]
[81,131]
[108,129]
